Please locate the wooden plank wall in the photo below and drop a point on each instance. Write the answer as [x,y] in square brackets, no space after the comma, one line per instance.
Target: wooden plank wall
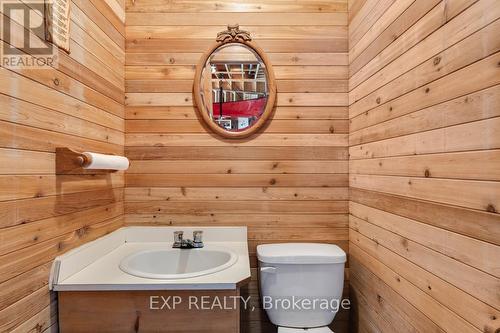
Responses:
[79,105]
[288,183]
[424,165]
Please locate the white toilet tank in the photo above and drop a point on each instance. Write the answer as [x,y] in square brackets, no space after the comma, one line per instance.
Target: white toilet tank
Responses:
[301,283]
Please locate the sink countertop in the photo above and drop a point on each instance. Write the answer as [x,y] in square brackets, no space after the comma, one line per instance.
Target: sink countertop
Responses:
[95,265]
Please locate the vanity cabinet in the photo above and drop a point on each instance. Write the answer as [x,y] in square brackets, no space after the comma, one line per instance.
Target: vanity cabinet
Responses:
[193,311]
[135,280]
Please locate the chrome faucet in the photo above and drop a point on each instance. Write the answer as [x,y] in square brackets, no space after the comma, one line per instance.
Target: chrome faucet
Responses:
[181,243]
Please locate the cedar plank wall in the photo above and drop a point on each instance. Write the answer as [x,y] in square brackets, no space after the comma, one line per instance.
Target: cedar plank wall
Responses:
[424,165]
[79,105]
[288,183]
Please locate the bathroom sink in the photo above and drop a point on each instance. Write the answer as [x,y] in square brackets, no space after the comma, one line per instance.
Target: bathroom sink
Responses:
[177,263]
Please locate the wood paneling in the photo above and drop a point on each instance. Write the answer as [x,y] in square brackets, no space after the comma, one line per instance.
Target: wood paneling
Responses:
[153,18]
[287,183]
[78,104]
[234,6]
[424,184]
[409,90]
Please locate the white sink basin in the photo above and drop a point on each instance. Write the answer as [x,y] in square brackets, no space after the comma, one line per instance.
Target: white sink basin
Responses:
[177,263]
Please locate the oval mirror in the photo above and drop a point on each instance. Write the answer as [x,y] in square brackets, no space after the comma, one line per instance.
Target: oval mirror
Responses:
[234,87]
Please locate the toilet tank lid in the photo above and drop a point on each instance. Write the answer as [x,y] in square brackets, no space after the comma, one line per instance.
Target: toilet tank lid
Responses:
[300,253]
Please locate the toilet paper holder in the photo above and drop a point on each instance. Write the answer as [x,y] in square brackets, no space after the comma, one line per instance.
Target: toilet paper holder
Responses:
[71,162]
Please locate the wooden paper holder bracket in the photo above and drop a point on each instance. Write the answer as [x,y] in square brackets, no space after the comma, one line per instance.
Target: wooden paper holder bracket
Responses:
[70,162]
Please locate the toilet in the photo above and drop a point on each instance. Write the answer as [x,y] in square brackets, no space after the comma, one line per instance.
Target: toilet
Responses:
[301,285]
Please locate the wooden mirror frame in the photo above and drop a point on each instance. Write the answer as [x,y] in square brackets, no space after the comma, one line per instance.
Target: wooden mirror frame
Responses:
[235,36]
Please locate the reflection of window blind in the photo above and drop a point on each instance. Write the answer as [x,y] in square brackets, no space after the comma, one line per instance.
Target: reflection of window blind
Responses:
[240,81]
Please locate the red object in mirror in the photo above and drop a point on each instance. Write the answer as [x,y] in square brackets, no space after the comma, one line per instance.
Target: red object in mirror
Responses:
[247,108]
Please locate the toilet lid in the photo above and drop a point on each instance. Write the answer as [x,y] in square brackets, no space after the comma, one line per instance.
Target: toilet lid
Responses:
[304,330]
[300,253]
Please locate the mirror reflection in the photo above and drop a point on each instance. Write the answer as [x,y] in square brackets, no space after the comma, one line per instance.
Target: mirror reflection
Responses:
[234,87]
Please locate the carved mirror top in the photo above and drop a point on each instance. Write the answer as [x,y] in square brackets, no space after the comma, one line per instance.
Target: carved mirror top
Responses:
[233,33]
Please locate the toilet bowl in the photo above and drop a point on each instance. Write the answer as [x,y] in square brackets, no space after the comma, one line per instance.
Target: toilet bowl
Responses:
[301,285]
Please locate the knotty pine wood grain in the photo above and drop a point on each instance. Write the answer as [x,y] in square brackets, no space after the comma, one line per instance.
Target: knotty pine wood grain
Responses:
[178,72]
[481,44]
[434,20]
[424,217]
[277,59]
[231,6]
[189,112]
[257,140]
[78,104]
[282,182]
[479,313]
[152,18]
[335,45]
[237,167]
[274,126]
[258,32]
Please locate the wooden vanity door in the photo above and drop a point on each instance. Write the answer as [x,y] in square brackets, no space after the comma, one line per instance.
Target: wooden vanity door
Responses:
[148,311]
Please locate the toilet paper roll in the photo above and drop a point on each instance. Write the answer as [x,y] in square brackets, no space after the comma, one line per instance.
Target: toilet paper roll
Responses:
[107,162]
